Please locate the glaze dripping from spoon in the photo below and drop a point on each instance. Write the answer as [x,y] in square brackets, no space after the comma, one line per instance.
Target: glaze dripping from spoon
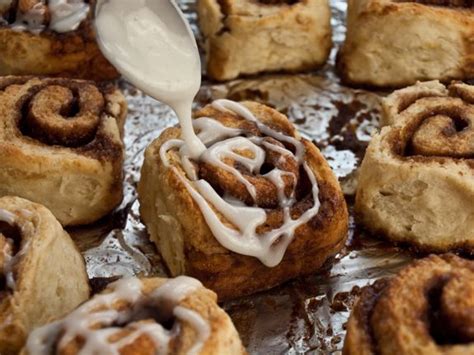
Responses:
[153,47]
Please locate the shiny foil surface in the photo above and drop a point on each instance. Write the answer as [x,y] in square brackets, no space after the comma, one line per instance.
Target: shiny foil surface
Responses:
[307,315]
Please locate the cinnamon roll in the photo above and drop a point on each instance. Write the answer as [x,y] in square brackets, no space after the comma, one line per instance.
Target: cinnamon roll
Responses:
[51,37]
[428,308]
[253,36]
[147,316]
[60,145]
[397,42]
[42,274]
[259,207]
[416,183]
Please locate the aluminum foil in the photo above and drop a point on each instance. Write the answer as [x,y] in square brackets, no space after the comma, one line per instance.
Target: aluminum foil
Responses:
[307,315]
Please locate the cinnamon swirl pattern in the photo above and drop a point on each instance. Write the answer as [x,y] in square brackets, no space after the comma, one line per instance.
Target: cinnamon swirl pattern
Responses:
[427,309]
[416,182]
[60,145]
[53,37]
[404,51]
[42,274]
[260,201]
[249,37]
[148,316]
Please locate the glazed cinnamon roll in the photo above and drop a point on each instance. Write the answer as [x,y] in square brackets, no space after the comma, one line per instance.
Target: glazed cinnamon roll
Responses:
[42,274]
[416,182]
[427,309]
[253,36]
[404,51]
[259,207]
[51,37]
[148,316]
[60,145]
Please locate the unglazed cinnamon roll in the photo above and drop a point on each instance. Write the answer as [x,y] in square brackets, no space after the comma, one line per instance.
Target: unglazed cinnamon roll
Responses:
[60,145]
[253,36]
[51,37]
[427,309]
[261,206]
[416,183]
[42,274]
[147,316]
[397,42]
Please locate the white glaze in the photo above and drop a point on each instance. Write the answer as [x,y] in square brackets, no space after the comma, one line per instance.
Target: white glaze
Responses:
[270,247]
[245,240]
[175,290]
[211,131]
[276,177]
[32,20]
[244,112]
[26,228]
[198,323]
[7,217]
[78,323]
[227,149]
[8,259]
[66,16]
[26,213]
[151,44]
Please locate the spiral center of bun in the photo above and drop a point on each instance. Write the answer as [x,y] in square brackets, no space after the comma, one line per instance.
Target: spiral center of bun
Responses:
[452,310]
[457,307]
[434,121]
[266,193]
[67,116]
[446,133]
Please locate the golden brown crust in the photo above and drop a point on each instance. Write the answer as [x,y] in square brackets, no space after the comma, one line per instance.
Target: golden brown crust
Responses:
[245,37]
[416,180]
[426,309]
[222,339]
[179,229]
[359,334]
[72,54]
[62,136]
[41,289]
[446,3]
[403,51]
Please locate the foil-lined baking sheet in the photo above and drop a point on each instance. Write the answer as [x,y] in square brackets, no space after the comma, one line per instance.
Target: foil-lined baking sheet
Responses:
[307,315]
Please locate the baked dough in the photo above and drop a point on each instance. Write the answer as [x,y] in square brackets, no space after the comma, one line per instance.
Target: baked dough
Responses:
[140,317]
[42,274]
[416,183]
[180,230]
[253,36]
[426,309]
[395,43]
[35,49]
[60,145]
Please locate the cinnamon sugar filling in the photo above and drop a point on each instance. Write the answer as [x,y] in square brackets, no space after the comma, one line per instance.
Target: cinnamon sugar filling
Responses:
[438,126]
[62,115]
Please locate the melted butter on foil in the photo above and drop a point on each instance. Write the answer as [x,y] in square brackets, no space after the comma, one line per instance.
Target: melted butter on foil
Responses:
[304,315]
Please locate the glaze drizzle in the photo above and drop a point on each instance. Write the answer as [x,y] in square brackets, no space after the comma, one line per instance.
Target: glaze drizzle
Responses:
[96,321]
[224,142]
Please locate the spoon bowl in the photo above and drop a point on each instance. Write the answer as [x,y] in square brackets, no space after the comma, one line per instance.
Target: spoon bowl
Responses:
[152,46]
[150,38]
